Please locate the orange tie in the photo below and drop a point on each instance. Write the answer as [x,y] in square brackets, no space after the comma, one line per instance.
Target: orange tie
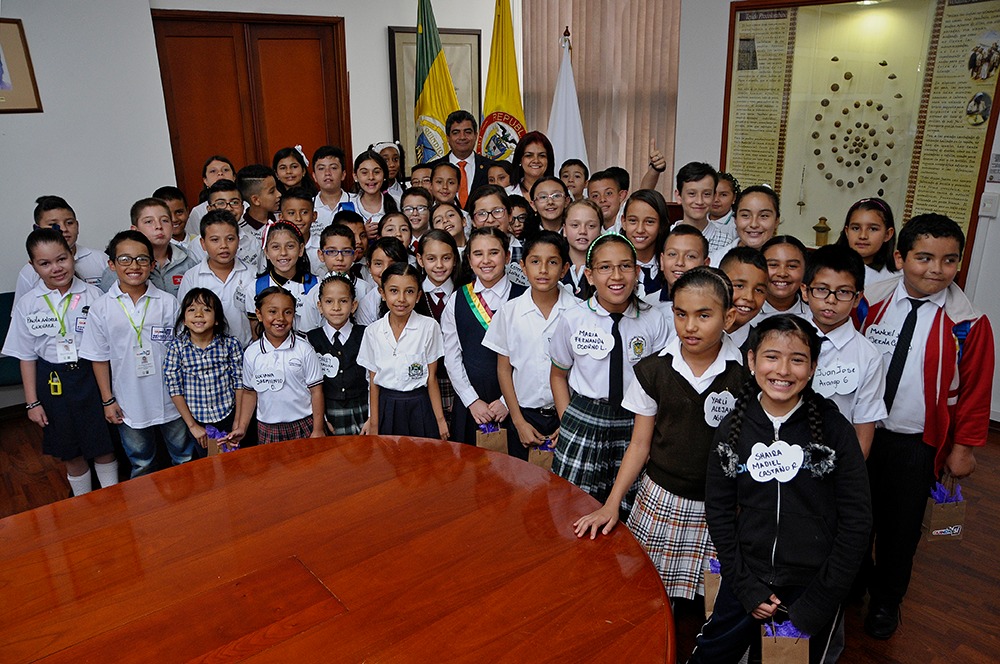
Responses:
[463,184]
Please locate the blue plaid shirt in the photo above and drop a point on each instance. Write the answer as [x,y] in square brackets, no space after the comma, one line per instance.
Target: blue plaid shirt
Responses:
[207,378]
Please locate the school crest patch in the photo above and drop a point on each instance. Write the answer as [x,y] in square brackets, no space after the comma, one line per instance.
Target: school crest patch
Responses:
[636,346]
[415,371]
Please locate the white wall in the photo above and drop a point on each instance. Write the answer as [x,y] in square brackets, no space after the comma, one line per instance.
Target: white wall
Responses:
[103,141]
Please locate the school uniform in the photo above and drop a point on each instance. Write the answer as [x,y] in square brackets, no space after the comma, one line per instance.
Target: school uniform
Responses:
[436,297]
[251,240]
[719,236]
[200,210]
[316,265]
[799,308]
[192,245]
[233,292]
[943,399]
[47,327]
[651,279]
[396,191]
[849,372]
[345,382]
[520,332]
[595,432]
[715,256]
[668,519]
[368,307]
[369,217]
[661,301]
[725,220]
[577,281]
[873,277]
[306,314]
[401,368]
[133,338]
[89,266]
[471,366]
[282,376]
[325,213]
[166,277]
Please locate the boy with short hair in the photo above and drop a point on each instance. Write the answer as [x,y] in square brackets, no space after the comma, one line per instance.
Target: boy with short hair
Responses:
[605,189]
[938,353]
[849,367]
[337,245]
[329,170]
[221,271]
[696,182]
[574,173]
[747,270]
[421,175]
[355,222]
[151,217]
[126,337]
[297,209]
[258,187]
[177,204]
[683,249]
[224,195]
[415,203]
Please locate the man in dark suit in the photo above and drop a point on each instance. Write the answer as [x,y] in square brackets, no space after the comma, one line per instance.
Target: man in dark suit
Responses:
[462,129]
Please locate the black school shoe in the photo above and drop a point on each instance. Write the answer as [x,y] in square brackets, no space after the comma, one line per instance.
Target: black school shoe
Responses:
[882,621]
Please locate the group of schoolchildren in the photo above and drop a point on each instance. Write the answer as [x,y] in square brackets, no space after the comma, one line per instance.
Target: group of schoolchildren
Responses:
[712,382]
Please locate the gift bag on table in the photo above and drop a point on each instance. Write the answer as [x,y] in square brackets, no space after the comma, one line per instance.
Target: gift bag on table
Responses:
[491,437]
[712,579]
[782,643]
[944,517]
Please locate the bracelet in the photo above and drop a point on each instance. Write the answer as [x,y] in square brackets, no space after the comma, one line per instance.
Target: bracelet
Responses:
[33,404]
[109,402]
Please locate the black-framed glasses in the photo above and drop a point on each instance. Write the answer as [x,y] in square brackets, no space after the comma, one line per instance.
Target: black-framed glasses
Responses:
[125,261]
[231,203]
[496,213]
[822,292]
[337,252]
[519,218]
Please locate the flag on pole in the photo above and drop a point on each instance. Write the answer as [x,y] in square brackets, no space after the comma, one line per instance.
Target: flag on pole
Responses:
[503,116]
[565,126]
[435,93]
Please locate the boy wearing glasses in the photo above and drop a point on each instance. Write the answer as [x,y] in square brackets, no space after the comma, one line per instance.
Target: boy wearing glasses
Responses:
[126,338]
[849,368]
[415,203]
[338,247]
[221,271]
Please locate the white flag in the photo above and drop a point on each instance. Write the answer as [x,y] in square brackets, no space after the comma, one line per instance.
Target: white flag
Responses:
[565,127]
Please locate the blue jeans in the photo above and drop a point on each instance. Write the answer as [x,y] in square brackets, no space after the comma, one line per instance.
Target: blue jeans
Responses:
[140,444]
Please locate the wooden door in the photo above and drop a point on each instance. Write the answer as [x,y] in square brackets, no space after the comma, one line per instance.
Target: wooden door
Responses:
[246,85]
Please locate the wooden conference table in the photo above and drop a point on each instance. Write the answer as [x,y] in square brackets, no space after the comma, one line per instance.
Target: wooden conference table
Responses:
[351,549]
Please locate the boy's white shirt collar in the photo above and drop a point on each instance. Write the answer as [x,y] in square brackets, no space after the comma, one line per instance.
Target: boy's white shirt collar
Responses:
[840,335]
[900,296]
[151,291]
[565,300]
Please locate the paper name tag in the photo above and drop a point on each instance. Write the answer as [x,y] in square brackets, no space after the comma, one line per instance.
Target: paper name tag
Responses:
[144,365]
[839,378]
[269,381]
[777,461]
[717,406]
[161,333]
[596,343]
[329,364]
[42,324]
[884,338]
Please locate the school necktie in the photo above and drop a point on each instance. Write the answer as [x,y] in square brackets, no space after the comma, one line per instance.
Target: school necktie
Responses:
[647,278]
[616,373]
[898,360]
[437,304]
[337,344]
[463,184]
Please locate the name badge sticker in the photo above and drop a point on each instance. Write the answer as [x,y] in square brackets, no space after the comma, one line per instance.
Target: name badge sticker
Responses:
[42,324]
[838,378]
[329,364]
[777,461]
[594,342]
[270,380]
[161,333]
[884,338]
[717,406]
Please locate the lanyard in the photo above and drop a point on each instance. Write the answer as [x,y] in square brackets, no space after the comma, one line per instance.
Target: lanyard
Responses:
[137,328]
[60,318]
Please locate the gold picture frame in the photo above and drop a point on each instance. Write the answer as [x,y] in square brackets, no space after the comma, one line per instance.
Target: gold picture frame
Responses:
[18,89]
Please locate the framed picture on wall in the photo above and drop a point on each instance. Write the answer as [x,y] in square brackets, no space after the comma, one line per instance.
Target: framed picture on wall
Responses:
[18,90]
[461,50]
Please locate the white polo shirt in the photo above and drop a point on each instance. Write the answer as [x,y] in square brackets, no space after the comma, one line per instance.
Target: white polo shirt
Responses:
[582,344]
[520,332]
[324,213]
[34,327]
[401,364]
[640,402]
[89,266]
[368,306]
[849,371]
[109,336]
[232,292]
[282,378]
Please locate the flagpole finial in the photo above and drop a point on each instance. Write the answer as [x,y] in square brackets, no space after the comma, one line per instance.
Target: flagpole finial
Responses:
[566,32]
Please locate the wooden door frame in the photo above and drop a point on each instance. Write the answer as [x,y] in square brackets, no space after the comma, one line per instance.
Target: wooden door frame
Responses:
[340,93]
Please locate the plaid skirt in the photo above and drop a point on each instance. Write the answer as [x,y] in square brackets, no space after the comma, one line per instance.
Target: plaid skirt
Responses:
[674,534]
[345,417]
[282,431]
[592,441]
[447,395]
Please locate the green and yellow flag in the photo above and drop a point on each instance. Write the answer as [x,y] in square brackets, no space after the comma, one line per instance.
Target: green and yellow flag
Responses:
[503,116]
[435,93]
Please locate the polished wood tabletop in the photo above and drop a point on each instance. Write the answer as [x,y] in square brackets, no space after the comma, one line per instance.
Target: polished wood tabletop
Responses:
[342,549]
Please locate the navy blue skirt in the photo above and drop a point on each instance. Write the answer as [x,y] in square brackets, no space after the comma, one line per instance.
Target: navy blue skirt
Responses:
[76,418]
[406,413]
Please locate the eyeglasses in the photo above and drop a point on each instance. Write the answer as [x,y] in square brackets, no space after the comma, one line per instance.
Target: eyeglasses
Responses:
[420,182]
[125,261]
[606,269]
[222,205]
[556,197]
[519,218]
[496,213]
[419,209]
[842,294]
[338,252]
